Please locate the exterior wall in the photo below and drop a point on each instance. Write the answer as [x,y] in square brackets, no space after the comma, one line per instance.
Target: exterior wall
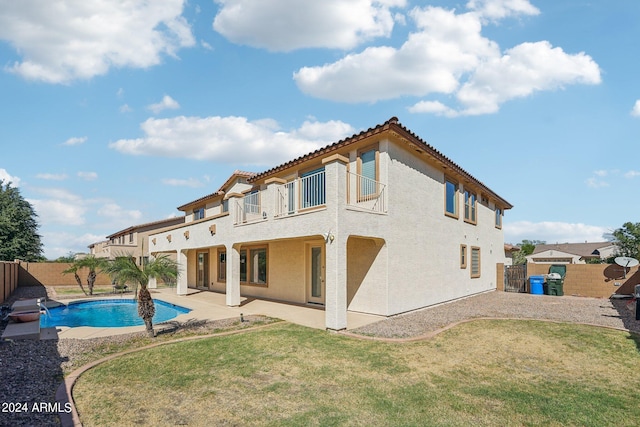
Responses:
[424,244]
[367,275]
[593,280]
[555,257]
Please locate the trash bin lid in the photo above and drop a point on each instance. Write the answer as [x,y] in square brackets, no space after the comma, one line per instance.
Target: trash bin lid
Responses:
[558,269]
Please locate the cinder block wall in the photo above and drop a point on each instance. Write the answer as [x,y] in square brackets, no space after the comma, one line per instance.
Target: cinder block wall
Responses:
[592,280]
[50,274]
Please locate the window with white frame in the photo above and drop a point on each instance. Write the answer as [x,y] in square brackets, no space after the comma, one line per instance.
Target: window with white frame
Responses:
[470,206]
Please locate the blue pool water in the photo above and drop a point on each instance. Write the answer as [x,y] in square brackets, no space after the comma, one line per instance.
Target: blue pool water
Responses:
[106,313]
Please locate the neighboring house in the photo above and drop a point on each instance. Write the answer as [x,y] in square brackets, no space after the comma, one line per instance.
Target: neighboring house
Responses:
[571,253]
[378,223]
[132,240]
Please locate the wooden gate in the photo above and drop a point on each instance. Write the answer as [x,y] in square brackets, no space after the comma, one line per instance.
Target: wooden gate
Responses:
[515,278]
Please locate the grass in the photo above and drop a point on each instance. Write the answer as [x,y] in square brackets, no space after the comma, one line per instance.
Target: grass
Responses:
[482,373]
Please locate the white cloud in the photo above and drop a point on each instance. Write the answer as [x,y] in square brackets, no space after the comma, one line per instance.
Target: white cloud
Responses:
[113,211]
[594,182]
[167,103]
[52,176]
[125,108]
[632,174]
[59,211]
[233,140]
[75,141]
[635,112]
[57,244]
[191,182]
[498,9]
[286,25]
[554,232]
[449,55]
[88,176]
[6,178]
[63,41]
[521,71]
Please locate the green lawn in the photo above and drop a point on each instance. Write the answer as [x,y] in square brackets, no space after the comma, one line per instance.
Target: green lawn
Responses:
[493,373]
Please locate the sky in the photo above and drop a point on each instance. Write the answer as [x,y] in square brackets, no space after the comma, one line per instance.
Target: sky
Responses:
[115,112]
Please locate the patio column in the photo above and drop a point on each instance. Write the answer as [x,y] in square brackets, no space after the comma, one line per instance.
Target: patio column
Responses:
[233,275]
[181,286]
[336,244]
[153,282]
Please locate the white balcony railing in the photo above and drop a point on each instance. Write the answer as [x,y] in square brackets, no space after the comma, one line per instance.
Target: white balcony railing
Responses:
[248,209]
[306,192]
[366,193]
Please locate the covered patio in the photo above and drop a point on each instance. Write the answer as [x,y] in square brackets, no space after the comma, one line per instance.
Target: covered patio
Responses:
[207,305]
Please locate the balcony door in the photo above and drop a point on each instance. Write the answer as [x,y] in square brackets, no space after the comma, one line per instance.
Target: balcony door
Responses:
[315,274]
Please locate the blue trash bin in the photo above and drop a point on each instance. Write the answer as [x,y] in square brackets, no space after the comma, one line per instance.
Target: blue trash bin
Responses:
[535,285]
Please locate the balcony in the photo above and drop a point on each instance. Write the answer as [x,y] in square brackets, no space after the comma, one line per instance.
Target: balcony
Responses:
[301,194]
[366,194]
[305,194]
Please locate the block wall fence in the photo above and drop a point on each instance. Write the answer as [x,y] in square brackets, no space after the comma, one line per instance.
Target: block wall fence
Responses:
[8,279]
[586,280]
[20,273]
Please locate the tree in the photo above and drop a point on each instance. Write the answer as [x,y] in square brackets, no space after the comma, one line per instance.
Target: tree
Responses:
[124,269]
[19,238]
[628,239]
[69,257]
[93,264]
[526,248]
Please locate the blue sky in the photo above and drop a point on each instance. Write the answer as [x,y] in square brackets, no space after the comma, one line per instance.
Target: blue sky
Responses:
[113,113]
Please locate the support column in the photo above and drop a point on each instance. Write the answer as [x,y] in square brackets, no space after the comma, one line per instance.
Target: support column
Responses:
[181,285]
[153,282]
[336,284]
[335,167]
[233,275]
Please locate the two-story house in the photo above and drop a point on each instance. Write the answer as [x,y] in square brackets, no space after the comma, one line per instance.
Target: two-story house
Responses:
[133,241]
[378,223]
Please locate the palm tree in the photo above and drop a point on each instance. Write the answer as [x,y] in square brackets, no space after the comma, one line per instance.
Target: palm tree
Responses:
[93,264]
[124,269]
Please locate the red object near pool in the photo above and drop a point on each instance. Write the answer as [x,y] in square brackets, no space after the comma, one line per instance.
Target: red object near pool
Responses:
[24,316]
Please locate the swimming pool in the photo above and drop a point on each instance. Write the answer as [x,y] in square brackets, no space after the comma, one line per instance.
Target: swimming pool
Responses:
[107,313]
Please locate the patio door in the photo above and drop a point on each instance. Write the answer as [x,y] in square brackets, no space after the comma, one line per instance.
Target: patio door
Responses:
[203,270]
[315,274]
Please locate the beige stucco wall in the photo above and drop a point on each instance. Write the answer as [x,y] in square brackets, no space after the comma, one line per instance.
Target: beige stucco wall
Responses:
[396,262]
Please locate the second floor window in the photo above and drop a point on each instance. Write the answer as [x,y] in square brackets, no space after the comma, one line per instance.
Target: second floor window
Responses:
[470,205]
[198,213]
[451,198]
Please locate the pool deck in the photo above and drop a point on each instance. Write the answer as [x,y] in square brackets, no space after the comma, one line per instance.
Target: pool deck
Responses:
[207,305]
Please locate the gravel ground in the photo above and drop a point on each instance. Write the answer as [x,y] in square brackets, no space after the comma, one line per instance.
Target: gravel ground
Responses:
[32,370]
[596,311]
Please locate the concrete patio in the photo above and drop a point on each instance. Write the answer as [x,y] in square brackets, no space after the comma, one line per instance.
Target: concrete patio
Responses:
[207,305]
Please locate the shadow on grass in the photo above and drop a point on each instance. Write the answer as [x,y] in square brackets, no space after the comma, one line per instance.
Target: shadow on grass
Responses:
[31,374]
[626,309]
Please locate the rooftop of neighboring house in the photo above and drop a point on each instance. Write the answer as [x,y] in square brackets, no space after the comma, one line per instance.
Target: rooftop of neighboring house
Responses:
[582,249]
[148,226]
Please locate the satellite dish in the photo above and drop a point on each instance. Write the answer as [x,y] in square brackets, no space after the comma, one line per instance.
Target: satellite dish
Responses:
[626,262]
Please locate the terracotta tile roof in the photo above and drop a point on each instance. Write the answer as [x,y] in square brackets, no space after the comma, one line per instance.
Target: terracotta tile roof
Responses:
[406,135]
[220,191]
[157,224]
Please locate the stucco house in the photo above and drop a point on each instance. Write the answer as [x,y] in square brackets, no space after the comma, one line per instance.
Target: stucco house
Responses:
[380,223]
[132,240]
[571,253]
